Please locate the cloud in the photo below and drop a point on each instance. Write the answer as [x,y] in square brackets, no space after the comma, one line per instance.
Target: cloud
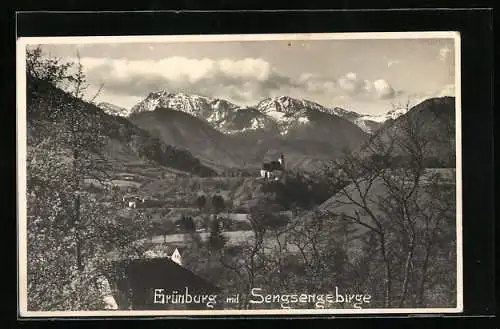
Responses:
[379,89]
[314,83]
[244,81]
[368,86]
[346,86]
[383,89]
[350,83]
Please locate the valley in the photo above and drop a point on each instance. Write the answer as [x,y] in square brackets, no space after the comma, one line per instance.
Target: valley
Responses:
[286,194]
[310,135]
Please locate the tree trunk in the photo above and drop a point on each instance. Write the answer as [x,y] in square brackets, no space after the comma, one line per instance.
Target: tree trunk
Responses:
[421,288]
[78,242]
[387,273]
[409,257]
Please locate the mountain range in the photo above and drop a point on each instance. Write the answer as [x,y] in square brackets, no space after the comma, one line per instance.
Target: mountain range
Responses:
[269,115]
[200,134]
[224,135]
[221,133]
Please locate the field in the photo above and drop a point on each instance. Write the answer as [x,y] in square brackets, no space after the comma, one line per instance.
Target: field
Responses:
[234,238]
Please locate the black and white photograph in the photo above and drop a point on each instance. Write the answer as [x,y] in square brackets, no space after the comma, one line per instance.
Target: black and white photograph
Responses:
[257,174]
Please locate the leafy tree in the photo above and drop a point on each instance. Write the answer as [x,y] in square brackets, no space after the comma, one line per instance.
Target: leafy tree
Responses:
[190,226]
[299,191]
[265,215]
[71,236]
[216,239]
[218,203]
[201,201]
[187,223]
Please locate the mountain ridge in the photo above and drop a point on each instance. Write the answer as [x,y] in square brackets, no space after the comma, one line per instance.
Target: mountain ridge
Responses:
[307,135]
[432,121]
[274,111]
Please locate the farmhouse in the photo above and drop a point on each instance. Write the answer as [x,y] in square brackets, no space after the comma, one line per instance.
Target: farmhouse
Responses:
[163,251]
[274,169]
[131,201]
[144,284]
[134,201]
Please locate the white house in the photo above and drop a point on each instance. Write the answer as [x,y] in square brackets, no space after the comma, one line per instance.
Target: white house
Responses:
[176,256]
[132,201]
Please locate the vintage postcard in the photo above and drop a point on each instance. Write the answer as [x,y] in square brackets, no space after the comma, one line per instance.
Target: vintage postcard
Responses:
[239,174]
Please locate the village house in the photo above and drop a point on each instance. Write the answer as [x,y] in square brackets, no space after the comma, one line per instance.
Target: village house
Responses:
[130,201]
[133,201]
[164,251]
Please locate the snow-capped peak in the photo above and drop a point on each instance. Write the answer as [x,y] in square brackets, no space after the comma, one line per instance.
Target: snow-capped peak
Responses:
[221,114]
[370,123]
[287,105]
[286,110]
[396,113]
[392,114]
[191,104]
[289,112]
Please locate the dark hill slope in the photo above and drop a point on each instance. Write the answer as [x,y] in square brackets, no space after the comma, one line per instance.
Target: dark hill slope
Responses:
[50,109]
[191,133]
[431,123]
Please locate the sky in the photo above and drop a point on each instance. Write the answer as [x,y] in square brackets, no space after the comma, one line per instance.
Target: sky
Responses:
[368,76]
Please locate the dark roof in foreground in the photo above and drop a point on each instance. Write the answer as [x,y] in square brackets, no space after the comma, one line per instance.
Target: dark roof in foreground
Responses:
[143,276]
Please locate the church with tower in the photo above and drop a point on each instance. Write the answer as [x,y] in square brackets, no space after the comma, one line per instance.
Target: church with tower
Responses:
[273,170]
